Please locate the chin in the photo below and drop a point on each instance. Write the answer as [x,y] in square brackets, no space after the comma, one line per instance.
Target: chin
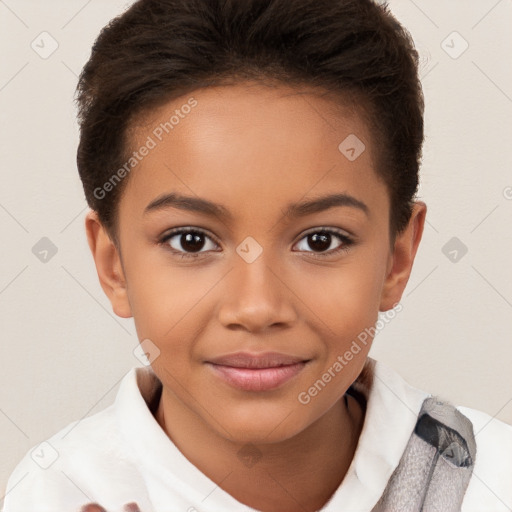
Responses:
[259,434]
[260,426]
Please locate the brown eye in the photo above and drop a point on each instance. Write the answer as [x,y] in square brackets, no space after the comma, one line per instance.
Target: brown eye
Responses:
[326,241]
[191,242]
[188,241]
[319,241]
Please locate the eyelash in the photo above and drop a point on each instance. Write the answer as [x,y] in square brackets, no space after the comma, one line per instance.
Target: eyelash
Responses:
[347,242]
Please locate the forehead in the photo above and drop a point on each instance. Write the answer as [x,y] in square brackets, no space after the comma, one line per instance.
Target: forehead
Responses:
[251,144]
[279,115]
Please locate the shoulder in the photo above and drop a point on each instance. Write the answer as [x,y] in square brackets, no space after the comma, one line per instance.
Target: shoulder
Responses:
[50,473]
[490,486]
[76,465]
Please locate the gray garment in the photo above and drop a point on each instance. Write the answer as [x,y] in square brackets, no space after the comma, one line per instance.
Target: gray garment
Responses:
[435,469]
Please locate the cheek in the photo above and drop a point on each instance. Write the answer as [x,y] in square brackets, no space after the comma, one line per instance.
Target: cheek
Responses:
[171,306]
[346,299]
[164,296]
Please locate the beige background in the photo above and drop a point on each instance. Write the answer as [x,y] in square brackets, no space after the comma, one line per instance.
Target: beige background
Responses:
[64,352]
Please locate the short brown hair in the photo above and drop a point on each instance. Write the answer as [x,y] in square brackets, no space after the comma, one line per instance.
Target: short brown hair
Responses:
[158,50]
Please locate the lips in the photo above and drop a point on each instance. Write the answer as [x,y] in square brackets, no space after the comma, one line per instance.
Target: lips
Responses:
[264,360]
[257,372]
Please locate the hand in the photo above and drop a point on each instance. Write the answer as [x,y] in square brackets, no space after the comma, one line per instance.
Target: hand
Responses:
[94,507]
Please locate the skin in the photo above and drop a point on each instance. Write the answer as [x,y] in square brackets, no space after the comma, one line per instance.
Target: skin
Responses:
[94,507]
[255,150]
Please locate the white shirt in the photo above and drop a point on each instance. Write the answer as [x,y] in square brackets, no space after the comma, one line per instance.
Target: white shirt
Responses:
[122,455]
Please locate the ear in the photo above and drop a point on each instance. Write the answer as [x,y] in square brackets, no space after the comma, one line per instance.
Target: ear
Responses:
[401,259]
[108,265]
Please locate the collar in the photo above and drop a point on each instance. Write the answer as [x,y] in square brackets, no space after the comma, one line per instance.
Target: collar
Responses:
[392,408]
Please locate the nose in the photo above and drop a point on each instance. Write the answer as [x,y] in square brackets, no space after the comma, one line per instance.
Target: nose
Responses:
[257,298]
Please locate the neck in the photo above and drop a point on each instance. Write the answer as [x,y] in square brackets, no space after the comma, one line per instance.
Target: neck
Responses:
[301,472]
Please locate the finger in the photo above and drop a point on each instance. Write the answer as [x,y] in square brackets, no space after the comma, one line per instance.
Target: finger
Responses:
[131,507]
[92,507]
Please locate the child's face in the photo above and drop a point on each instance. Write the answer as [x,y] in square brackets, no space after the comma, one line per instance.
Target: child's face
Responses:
[254,152]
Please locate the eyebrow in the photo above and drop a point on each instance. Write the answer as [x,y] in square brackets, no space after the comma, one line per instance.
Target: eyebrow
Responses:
[294,210]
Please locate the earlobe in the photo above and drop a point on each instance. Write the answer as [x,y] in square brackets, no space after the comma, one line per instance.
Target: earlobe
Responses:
[402,258]
[108,265]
